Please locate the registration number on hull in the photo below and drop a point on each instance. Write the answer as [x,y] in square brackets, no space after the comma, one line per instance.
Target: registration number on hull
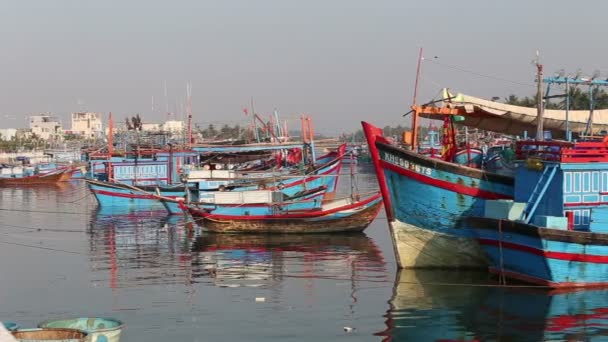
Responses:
[406,164]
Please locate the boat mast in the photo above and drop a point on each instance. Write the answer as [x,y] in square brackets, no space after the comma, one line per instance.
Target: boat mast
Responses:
[414,142]
[568,134]
[539,99]
[189,109]
[253,123]
[110,145]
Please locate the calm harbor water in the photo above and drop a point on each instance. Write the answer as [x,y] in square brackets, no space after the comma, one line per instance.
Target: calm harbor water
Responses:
[61,256]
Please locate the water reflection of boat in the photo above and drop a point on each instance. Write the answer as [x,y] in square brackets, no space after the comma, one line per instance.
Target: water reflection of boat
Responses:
[527,314]
[465,306]
[128,213]
[257,260]
[140,248]
[433,305]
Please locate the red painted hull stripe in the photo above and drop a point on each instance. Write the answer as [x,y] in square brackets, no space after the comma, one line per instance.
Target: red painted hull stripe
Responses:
[373,134]
[598,259]
[585,204]
[544,282]
[458,188]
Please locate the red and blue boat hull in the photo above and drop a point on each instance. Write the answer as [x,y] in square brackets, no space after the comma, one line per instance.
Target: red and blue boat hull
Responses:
[544,256]
[425,199]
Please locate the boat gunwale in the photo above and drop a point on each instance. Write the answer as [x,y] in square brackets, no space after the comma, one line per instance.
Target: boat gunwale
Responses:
[446,166]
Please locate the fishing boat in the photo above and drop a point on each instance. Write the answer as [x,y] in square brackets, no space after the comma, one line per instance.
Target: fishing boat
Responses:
[555,232]
[339,215]
[426,197]
[60,175]
[259,202]
[325,174]
[469,156]
[113,194]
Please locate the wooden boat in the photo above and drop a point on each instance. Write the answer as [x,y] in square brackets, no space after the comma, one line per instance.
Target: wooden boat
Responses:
[110,194]
[62,175]
[426,197]
[339,215]
[48,334]
[555,232]
[99,328]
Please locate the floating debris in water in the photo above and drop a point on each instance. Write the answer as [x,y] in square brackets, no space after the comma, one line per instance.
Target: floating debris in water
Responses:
[260,299]
[349,329]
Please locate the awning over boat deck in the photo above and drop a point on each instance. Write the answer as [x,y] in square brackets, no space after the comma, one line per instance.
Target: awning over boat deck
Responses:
[510,119]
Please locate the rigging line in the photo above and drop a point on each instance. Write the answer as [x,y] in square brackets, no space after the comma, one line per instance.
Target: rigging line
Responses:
[151,262]
[42,211]
[426,79]
[480,74]
[40,229]
[40,247]
[76,200]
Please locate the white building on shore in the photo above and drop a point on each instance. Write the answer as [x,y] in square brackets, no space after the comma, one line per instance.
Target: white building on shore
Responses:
[8,134]
[173,126]
[87,124]
[46,127]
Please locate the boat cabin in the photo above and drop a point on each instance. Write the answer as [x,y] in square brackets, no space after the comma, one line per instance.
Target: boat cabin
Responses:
[560,185]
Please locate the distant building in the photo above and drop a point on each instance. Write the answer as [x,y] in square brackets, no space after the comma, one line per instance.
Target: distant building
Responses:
[8,134]
[150,126]
[46,127]
[173,126]
[23,133]
[87,124]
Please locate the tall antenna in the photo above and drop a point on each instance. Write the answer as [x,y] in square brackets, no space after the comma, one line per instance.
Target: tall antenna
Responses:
[539,98]
[110,145]
[414,142]
[255,127]
[420,58]
[189,110]
[166,100]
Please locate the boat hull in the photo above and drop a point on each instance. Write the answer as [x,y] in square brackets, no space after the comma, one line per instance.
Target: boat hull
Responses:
[114,195]
[416,247]
[349,218]
[49,178]
[427,198]
[544,256]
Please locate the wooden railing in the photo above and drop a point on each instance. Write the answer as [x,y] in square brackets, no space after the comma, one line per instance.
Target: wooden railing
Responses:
[563,151]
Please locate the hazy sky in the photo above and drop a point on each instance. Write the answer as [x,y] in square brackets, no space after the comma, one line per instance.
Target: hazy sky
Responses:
[341,61]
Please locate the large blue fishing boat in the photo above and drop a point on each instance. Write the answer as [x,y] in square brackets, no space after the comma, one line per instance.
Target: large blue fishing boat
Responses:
[426,197]
[554,233]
